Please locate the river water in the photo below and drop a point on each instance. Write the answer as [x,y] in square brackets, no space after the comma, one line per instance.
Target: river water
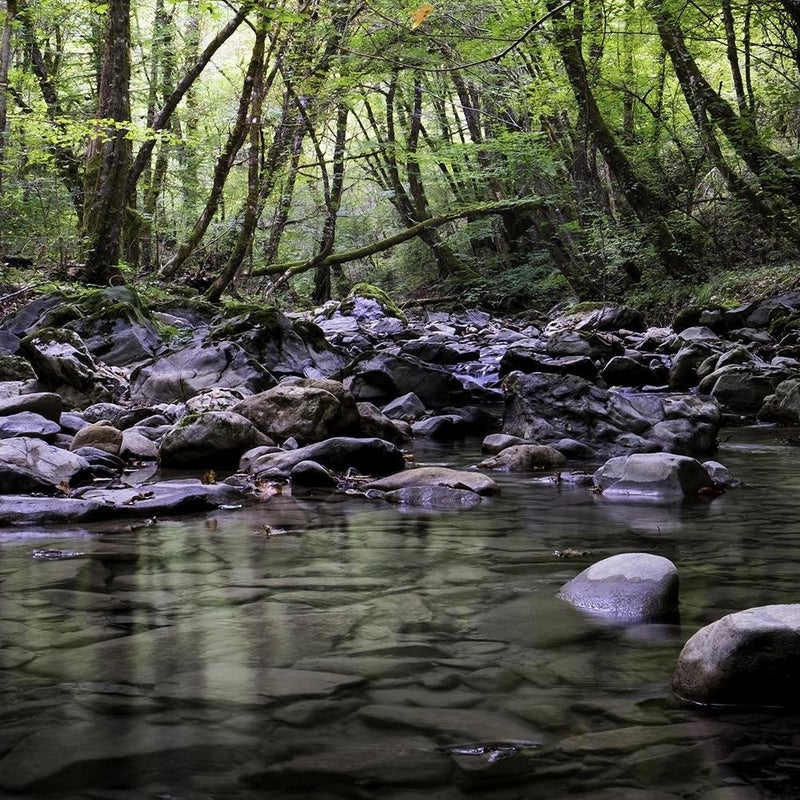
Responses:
[335,647]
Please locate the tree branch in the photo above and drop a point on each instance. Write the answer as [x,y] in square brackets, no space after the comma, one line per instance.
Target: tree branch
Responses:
[291,268]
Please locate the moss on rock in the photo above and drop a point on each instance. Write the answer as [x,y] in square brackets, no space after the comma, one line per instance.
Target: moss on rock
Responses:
[370,292]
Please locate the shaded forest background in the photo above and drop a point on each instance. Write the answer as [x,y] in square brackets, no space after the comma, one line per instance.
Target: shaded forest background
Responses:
[496,153]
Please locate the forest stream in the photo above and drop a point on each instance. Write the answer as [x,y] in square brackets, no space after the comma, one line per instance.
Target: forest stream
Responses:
[326,646]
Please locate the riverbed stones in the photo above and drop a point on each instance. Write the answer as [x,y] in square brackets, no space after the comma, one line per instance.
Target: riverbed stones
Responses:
[215,439]
[784,405]
[652,475]
[634,587]
[433,497]
[751,657]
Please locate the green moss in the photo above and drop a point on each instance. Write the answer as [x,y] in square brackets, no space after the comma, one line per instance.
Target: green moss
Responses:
[14,368]
[370,292]
[186,421]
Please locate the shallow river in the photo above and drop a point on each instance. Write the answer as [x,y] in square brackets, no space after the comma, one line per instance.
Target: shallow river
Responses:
[334,647]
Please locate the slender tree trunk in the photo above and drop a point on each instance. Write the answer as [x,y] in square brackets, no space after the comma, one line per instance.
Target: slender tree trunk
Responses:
[108,156]
[776,173]
[649,207]
[236,139]
[7,10]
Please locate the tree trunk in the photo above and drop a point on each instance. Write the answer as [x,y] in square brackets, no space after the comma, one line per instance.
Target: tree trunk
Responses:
[225,161]
[108,155]
[8,11]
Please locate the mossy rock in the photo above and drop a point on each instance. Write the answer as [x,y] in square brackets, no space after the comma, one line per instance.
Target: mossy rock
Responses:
[253,315]
[370,292]
[783,322]
[14,368]
[91,305]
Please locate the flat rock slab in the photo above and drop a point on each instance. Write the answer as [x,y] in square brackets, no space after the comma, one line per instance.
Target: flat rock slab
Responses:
[222,682]
[631,586]
[433,497]
[27,423]
[17,509]
[437,476]
[748,658]
[88,754]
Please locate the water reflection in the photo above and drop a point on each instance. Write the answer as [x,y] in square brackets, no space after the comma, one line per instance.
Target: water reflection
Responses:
[314,649]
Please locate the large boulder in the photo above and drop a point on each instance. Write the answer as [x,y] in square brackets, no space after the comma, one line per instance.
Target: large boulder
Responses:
[636,587]
[340,453]
[48,404]
[748,658]
[378,377]
[27,423]
[308,410]
[742,388]
[598,317]
[652,475]
[29,465]
[215,439]
[101,435]
[784,405]
[64,366]
[191,369]
[281,345]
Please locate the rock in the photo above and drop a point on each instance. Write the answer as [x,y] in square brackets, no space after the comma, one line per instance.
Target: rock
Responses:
[627,371]
[784,405]
[373,423]
[740,388]
[111,412]
[546,408]
[657,475]
[721,475]
[444,427]
[683,372]
[407,407]
[635,587]
[433,497]
[26,423]
[496,442]
[578,343]
[437,476]
[215,439]
[440,352]
[138,447]
[749,658]
[368,303]
[279,344]
[26,510]
[14,368]
[102,435]
[310,473]
[308,410]
[31,465]
[63,363]
[47,404]
[368,456]
[218,398]
[525,458]
[378,377]
[598,317]
[188,371]
[529,358]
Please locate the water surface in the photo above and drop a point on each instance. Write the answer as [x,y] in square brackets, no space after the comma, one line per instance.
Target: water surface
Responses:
[330,646]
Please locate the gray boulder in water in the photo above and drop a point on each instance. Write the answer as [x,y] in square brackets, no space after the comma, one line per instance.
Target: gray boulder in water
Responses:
[751,657]
[653,475]
[636,587]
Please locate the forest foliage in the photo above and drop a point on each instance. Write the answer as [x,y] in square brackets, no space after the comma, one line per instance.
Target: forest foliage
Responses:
[497,152]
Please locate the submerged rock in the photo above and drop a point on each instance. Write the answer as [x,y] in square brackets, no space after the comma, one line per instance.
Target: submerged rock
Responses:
[751,657]
[437,476]
[636,587]
[433,497]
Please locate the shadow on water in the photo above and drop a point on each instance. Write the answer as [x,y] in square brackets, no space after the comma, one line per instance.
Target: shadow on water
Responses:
[323,647]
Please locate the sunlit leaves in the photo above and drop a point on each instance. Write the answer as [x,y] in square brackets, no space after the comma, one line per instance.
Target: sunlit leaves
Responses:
[420,14]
